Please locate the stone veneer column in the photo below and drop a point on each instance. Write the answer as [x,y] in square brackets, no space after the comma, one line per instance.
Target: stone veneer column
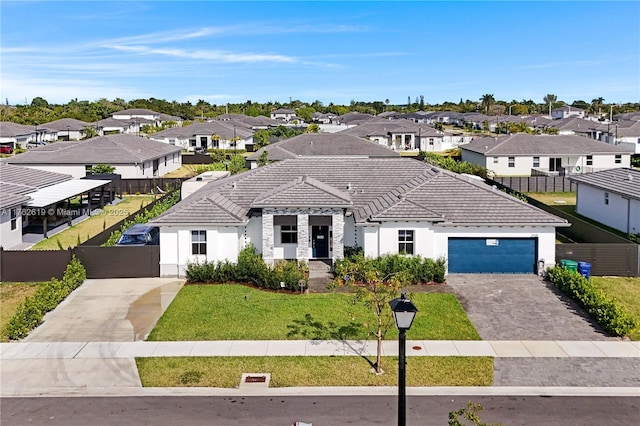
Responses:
[302,251]
[337,222]
[267,237]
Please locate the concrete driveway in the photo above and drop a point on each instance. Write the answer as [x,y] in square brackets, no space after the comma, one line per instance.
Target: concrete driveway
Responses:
[108,310]
[521,307]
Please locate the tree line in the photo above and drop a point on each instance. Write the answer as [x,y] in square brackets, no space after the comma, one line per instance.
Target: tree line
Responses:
[41,111]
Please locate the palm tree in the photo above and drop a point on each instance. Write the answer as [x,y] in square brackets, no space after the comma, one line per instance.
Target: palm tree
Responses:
[596,105]
[487,101]
[550,99]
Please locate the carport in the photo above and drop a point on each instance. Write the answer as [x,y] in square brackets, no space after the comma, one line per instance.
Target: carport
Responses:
[492,255]
[51,205]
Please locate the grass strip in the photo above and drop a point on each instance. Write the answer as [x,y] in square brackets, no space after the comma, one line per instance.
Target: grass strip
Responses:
[11,296]
[288,371]
[238,312]
[626,292]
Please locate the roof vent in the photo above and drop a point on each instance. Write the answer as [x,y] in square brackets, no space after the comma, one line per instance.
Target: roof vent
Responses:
[629,177]
[349,186]
[199,178]
[233,185]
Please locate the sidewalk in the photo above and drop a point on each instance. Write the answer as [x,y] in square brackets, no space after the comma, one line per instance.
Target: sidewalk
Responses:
[108,368]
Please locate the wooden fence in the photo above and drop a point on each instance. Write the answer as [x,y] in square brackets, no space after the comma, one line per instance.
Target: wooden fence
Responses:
[100,262]
[605,259]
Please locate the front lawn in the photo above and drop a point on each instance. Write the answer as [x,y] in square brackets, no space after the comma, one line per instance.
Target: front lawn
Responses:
[554,198]
[92,226]
[288,371]
[626,291]
[11,296]
[238,312]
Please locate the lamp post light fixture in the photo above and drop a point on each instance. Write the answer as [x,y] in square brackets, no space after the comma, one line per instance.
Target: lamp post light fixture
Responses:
[404,311]
[68,136]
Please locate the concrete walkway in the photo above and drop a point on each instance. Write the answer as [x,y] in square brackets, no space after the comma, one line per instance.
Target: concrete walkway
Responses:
[108,368]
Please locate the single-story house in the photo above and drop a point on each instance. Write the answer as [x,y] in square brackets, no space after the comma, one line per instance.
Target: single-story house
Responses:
[15,135]
[67,129]
[399,135]
[310,209]
[320,145]
[203,136]
[521,154]
[132,156]
[34,200]
[611,197]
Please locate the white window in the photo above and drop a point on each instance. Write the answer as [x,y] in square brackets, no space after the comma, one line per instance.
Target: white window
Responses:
[618,159]
[606,198]
[512,161]
[536,161]
[589,160]
[289,234]
[495,160]
[405,241]
[199,242]
[14,219]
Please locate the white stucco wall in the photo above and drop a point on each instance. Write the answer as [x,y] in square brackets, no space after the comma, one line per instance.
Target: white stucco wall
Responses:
[621,213]
[223,243]
[8,237]
[350,232]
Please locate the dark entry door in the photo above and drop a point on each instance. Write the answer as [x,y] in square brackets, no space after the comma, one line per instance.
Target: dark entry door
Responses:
[555,164]
[320,240]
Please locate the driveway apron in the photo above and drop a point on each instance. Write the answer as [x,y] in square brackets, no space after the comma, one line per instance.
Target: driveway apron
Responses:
[521,307]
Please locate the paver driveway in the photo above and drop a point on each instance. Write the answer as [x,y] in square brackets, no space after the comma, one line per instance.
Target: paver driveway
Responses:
[521,307]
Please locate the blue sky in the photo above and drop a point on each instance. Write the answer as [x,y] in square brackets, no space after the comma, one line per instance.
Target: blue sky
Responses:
[328,51]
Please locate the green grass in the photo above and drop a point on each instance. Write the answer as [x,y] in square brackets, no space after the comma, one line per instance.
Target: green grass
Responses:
[92,226]
[225,372]
[554,198]
[11,295]
[237,312]
[626,291]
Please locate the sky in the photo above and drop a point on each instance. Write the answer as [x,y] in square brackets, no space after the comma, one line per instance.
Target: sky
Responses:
[328,51]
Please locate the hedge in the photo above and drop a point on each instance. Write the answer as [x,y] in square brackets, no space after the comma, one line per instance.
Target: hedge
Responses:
[49,295]
[413,269]
[611,316]
[250,268]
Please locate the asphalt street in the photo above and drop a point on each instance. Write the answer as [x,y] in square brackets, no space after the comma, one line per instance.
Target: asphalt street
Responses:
[317,410]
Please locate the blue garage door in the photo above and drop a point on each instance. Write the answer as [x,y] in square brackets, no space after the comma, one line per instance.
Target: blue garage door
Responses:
[492,255]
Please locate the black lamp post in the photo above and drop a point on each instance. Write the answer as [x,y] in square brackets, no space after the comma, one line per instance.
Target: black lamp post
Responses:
[404,311]
[235,140]
[68,136]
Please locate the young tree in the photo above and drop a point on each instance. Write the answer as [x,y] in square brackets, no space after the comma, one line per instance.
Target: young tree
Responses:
[312,128]
[236,165]
[102,169]
[263,159]
[375,291]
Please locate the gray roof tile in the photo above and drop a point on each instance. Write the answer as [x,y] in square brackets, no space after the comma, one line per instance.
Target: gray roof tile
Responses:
[623,181]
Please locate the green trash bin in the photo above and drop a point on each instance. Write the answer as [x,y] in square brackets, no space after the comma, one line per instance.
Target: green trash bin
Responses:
[571,265]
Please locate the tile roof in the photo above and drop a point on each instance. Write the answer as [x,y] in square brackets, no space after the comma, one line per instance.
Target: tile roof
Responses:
[525,144]
[135,111]
[323,144]
[224,129]
[9,129]
[112,149]
[623,181]
[61,125]
[17,182]
[379,189]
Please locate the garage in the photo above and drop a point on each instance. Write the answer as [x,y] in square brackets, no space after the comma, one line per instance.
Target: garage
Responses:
[492,255]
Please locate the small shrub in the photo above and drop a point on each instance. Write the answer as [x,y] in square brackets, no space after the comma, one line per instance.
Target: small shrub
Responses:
[605,311]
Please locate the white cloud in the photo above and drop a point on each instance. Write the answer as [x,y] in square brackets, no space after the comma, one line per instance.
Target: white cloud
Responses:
[213,55]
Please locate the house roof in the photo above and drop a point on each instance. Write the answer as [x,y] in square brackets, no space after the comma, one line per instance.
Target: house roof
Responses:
[323,144]
[112,149]
[62,191]
[135,111]
[378,189]
[524,144]
[224,129]
[623,181]
[61,125]
[17,182]
[384,127]
[9,129]
[283,111]
[573,123]
[112,122]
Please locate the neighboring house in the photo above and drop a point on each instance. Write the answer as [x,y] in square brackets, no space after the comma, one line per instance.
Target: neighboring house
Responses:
[254,123]
[611,197]
[136,113]
[210,135]
[111,126]
[16,135]
[522,154]
[308,209]
[353,117]
[67,129]
[399,135]
[573,126]
[287,115]
[320,145]
[321,118]
[32,200]
[566,112]
[625,134]
[132,156]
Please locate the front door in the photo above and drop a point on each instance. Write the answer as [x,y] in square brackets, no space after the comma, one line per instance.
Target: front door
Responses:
[320,241]
[555,164]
